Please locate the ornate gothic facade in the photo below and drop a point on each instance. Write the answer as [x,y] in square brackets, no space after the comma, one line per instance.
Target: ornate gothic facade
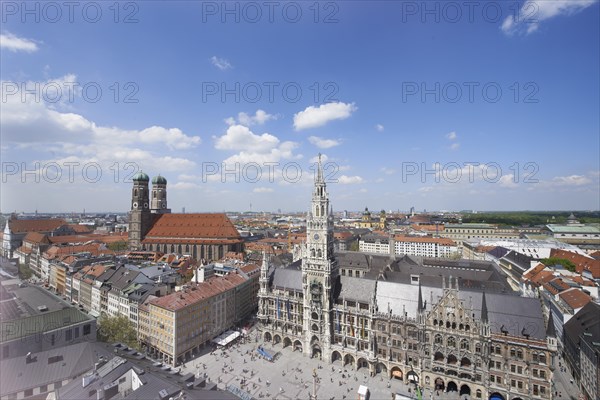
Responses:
[407,320]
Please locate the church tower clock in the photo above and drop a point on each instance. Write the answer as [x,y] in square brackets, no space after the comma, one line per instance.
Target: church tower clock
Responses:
[319,272]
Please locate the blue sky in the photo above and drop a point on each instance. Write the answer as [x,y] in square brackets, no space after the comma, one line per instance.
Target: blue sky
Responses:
[444,108]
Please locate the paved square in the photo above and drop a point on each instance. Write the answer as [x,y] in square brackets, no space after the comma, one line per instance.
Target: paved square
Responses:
[290,374]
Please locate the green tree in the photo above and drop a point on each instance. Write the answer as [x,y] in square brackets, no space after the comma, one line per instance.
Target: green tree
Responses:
[24,271]
[117,329]
[567,264]
[118,246]
[353,246]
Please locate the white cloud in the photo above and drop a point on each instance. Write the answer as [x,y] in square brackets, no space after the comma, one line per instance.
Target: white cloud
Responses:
[454,146]
[239,137]
[451,135]
[379,127]
[265,148]
[388,171]
[31,122]
[14,43]
[533,12]
[262,190]
[350,180]
[508,181]
[184,186]
[260,117]
[363,190]
[220,63]
[313,117]
[572,180]
[323,143]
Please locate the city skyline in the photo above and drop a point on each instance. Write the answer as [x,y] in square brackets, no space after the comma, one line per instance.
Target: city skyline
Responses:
[412,107]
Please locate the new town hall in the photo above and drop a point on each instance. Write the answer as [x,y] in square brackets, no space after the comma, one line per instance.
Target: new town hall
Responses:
[446,325]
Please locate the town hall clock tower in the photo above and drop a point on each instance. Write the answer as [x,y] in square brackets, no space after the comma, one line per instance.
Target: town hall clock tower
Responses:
[319,273]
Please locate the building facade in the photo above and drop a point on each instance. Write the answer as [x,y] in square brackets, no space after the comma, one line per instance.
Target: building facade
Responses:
[152,227]
[453,337]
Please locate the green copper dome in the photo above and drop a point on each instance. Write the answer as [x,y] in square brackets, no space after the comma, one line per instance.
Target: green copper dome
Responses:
[140,176]
[159,180]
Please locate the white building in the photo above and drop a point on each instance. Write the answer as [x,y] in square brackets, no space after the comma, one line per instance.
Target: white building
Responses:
[410,245]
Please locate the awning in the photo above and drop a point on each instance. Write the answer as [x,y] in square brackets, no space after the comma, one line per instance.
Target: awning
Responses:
[225,338]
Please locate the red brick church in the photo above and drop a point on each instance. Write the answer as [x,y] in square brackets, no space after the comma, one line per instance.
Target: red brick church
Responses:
[152,226]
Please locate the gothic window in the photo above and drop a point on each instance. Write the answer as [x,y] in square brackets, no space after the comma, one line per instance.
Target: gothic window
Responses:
[317,211]
[322,210]
[312,252]
[478,348]
[438,339]
[154,194]
[319,253]
[451,342]
[135,192]
[464,345]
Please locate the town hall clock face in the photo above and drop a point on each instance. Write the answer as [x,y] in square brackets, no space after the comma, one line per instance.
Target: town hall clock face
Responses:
[316,236]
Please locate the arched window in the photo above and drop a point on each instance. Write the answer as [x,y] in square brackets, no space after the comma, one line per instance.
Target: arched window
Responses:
[477,347]
[542,358]
[438,339]
[451,342]
[464,345]
[319,253]
[322,210]
[520,353]
[312,252]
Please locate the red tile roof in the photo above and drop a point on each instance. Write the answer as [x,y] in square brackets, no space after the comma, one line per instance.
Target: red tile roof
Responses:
[419,239]
[582,262]
[428,228]
[342,235]
[35,225]
[556,282]
[94,248]
[193,229]
[530,273]
[67,239]
[542,277]
[198,292]
[575,298]
[250,268]
[80,228]
[36,238]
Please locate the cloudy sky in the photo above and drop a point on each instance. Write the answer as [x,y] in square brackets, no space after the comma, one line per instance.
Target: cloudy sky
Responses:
[437,105]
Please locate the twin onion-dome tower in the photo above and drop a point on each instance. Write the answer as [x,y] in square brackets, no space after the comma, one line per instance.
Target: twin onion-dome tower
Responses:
[145,206]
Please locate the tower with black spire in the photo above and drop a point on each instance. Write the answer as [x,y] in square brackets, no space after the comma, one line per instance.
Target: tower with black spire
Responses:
[319,272]
[551,334]
[420,306]
[485,322]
